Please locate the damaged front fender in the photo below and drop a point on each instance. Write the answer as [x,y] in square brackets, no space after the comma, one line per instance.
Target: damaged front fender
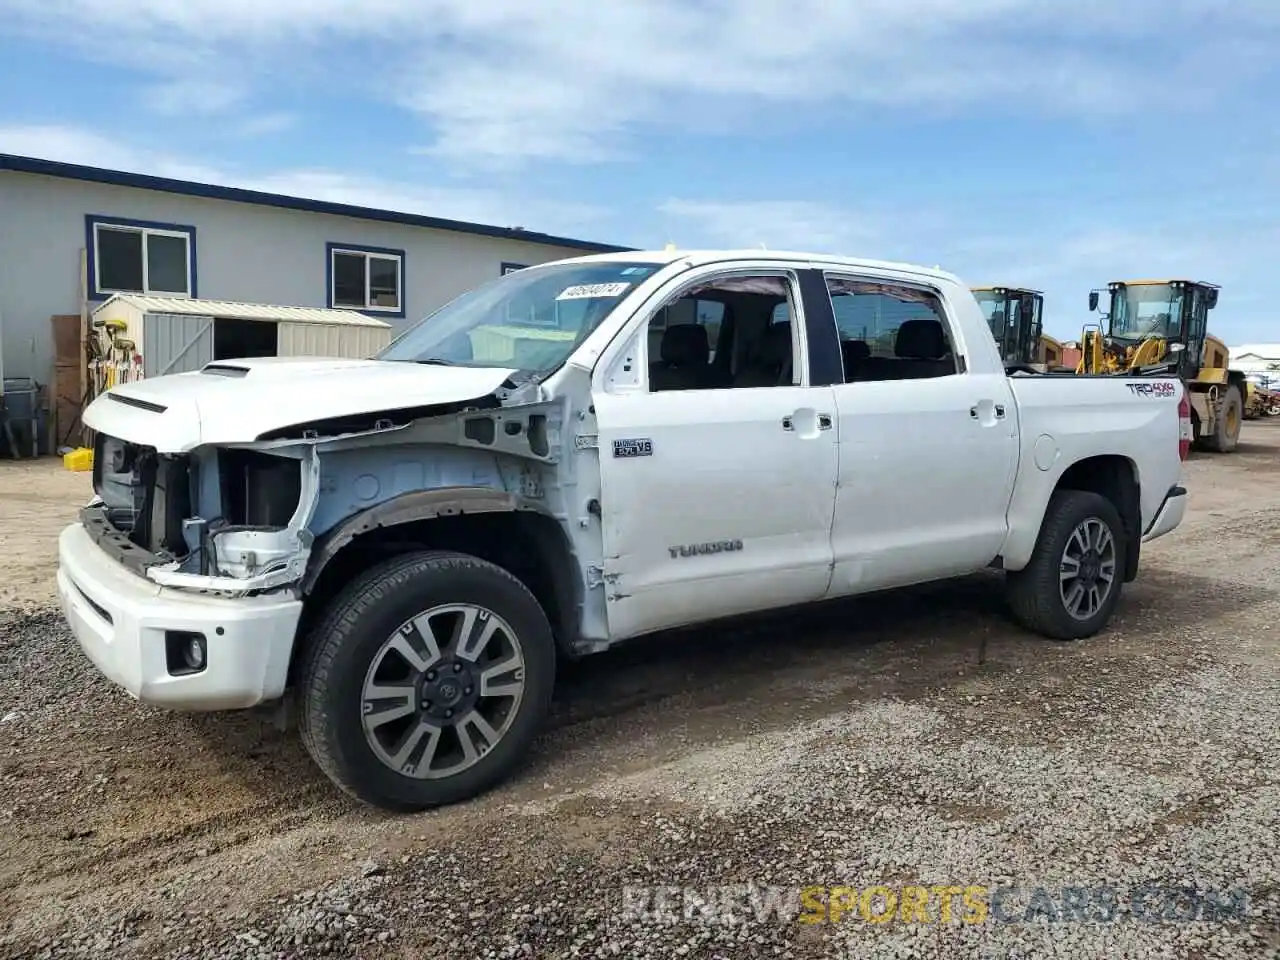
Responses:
[522,438]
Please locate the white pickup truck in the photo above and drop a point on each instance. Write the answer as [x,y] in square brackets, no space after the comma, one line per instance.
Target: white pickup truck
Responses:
[574,455]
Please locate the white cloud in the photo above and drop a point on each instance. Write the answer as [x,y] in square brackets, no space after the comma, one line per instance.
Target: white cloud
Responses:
[265,124]
[194,97]
[576,79]
[1064,257]
[1221,234]
[74,145]
[786,225]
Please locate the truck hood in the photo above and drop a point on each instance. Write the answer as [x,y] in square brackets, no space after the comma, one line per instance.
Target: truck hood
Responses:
[237,401]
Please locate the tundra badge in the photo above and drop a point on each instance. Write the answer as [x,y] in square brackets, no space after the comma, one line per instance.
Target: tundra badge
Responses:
[700,549]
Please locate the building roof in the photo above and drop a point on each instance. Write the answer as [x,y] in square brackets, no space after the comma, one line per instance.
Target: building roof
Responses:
[208,191]
[1267,351]
[232,310]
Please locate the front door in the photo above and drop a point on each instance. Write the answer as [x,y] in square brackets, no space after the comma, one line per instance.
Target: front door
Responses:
[718,480]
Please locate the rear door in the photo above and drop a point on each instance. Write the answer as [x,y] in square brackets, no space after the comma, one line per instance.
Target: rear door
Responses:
[928,444]
[717,480]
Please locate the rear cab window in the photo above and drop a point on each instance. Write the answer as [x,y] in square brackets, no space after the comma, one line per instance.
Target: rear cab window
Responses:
[892,330]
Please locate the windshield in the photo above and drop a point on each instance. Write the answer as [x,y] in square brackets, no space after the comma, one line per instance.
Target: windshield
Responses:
[1149,310]
[530,319]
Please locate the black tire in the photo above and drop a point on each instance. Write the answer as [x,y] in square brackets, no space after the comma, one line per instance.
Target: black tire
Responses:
[1035,593]
[1226,430]
[350,634]
[1229,424]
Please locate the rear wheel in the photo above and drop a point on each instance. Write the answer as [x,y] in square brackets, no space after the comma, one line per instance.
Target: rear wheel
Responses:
[1226,430]
[1071,585]
[426,681]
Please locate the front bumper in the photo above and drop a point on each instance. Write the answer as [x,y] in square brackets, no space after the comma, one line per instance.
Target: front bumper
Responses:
[1169,515]
[121,621]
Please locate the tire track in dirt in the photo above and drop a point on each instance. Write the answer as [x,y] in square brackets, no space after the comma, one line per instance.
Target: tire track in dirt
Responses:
[231,809]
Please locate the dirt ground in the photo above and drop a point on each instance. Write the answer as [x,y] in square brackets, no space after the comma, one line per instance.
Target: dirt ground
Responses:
[37,498]
[136,832]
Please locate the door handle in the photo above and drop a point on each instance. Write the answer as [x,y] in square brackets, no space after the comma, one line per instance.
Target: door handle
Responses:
[994,410]
[806,423]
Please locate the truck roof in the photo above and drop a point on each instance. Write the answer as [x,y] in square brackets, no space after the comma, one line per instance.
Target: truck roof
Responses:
[701,256]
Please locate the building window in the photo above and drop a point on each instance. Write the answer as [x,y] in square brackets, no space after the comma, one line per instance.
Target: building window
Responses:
[512,267]
[366,278]
[136,256]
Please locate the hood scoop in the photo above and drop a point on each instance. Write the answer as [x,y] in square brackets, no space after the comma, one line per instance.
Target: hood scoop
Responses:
[137,402]
[225,370]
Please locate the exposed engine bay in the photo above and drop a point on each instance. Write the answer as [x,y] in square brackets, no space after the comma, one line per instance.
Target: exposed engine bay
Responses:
[148,512]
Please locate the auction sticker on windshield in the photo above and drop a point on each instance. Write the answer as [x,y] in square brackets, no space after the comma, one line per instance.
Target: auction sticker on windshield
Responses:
[586,290]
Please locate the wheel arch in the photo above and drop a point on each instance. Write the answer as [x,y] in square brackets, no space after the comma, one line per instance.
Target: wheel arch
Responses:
[510,531]
[1114,477]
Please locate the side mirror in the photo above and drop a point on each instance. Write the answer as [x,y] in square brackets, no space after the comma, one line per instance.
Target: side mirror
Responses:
[1093,300]
[1212,300]
[1177,347]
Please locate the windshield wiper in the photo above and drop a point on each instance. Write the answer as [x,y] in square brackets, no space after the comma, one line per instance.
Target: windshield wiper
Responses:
[438,361]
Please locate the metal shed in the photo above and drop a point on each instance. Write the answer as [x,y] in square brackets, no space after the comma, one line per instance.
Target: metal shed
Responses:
[177,335]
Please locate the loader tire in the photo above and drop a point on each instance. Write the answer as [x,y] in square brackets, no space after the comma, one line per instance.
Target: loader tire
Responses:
[1226,430]
[1082,534]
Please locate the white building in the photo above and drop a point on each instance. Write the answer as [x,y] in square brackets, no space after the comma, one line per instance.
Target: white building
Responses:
[1257,358]
[71,236]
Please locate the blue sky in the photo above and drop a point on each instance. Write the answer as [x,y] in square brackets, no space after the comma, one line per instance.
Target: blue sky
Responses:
[1029,142]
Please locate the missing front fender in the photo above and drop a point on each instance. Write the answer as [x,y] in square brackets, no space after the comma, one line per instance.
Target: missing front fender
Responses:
[244,558]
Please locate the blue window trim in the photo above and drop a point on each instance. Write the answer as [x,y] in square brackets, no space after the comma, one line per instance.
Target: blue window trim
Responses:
[331,247]
[512,267]
[94,220]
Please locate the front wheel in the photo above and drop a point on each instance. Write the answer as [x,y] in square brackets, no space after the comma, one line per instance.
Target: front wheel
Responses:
[426,681]
[1072,583]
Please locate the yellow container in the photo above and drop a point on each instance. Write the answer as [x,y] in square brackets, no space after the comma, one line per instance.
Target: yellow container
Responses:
[78,460]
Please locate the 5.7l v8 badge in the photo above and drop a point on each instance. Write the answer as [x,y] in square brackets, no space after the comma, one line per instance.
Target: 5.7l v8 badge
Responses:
[640,447]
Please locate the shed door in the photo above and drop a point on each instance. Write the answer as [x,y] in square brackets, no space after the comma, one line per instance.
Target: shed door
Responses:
[173,343]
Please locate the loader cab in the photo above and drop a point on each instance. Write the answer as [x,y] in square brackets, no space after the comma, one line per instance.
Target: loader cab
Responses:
[1014,316]
[1173,312]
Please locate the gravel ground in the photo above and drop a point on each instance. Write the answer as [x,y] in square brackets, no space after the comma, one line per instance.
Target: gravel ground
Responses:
[911,740]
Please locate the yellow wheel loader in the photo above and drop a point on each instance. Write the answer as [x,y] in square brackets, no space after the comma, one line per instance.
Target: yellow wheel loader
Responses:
[1162,325]
[1014,315]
